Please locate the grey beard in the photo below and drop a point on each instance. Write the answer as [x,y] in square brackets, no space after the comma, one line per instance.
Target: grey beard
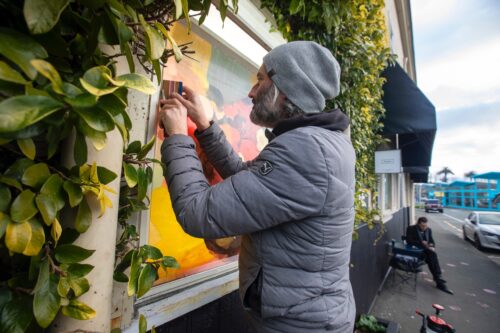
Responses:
[265,111]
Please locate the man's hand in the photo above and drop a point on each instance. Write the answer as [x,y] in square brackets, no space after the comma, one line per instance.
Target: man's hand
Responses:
[192,102]
[173,116]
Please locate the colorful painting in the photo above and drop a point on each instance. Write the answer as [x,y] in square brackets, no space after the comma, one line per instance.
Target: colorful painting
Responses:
[224,79]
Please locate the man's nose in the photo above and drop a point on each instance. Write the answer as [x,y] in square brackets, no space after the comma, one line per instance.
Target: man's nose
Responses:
[251,93]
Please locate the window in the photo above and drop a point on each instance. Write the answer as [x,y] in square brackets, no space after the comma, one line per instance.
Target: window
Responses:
[224,77]
[387,185]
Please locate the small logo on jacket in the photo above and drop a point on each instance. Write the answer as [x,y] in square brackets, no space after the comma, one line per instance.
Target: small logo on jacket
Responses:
[265,168]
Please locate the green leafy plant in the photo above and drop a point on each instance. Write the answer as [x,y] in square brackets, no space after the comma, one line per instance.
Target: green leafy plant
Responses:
[369,324]
[355,33]
[59,84]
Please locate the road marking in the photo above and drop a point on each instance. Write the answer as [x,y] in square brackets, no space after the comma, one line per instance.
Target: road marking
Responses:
[452,226]
[452,217]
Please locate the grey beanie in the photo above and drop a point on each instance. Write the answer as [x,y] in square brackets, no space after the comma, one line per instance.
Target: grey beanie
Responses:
[305,72]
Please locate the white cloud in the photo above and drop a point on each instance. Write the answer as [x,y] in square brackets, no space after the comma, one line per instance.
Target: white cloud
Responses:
[474,70]
[468,148]
[429,13]
[446,96]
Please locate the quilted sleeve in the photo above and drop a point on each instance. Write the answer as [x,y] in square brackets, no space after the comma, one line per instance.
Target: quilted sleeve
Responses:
[287,182]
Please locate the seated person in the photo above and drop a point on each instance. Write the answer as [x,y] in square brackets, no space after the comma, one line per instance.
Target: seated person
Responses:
[420,235]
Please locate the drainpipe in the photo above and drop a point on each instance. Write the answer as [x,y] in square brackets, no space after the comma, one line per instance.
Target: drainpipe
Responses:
[100,237]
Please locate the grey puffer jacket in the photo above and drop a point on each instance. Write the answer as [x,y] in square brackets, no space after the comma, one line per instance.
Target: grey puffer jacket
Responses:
[294,206]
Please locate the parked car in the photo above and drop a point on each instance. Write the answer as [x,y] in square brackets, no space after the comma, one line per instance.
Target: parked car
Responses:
[433,205]
[483,228]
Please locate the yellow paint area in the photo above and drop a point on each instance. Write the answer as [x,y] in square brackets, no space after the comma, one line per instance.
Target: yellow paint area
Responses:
[166,234]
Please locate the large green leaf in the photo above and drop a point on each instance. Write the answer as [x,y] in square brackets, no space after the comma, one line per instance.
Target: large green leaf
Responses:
[46,302]
[28,148]
[53,187]
[9,74]
[82,100]
[177,51]
[17,236]
[142,184]
[5,297]
[80,149]
[41,15]
[138,82]
[46,204]
[69,254]
[23,207]
[21,49]
[56,231]
[11,182]
[36,175]
[143,324]
[151,252]
[146,279]
[74,192]
[17,315]
[135,268]
[96,119]
[79,285]
[155,44]
[105,175]
[130,174]
[78,310]
[16,170]
[63,286]
[78,270]
[83,217]
[146,148]
[178,8]
[5,198]
[4,222]
[46,69]
[97,138]
[95,81]
[37,238]
[19,112]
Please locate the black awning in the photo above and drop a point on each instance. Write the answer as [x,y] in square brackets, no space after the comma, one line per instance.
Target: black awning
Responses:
[411,115]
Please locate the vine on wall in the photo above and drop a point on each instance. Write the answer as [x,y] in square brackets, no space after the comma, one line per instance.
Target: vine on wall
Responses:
[355,32]
[55,82]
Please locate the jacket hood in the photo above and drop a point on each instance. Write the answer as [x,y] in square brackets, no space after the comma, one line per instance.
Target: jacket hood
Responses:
[334,120]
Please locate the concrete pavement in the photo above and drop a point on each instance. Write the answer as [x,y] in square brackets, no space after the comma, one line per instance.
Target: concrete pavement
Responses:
[473,275]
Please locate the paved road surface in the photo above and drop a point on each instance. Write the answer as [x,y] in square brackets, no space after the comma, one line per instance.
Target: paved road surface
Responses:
[473,275]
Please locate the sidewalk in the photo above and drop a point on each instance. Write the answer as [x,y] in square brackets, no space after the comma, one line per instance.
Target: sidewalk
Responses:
[475,279]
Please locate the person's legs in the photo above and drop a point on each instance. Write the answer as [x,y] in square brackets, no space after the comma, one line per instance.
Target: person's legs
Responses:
[432,261]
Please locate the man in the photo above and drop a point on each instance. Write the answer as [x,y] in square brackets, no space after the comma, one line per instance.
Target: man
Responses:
[293,204]
[420,235]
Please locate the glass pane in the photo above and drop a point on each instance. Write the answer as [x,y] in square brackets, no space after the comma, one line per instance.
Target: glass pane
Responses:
[387,192]
[225,79]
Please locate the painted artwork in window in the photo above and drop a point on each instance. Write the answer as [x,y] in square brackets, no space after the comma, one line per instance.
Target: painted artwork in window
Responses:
[224,79]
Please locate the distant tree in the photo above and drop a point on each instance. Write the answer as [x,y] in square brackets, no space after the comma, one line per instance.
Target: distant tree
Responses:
[445,172]
[470,174]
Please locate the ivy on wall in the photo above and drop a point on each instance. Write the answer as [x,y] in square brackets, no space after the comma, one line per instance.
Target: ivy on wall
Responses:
[58,79]
[355,32]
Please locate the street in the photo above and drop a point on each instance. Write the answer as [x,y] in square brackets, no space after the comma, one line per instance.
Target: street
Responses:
[473,275]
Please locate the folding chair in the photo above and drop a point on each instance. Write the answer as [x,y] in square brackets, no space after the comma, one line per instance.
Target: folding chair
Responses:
[406,261]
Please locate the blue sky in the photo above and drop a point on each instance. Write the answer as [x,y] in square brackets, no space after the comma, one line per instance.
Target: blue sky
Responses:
[457,50]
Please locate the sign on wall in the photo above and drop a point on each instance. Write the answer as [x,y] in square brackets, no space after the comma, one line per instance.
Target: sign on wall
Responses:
[388,161]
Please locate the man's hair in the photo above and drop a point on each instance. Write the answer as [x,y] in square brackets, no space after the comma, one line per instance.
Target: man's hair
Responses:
[422,220]
[290,110]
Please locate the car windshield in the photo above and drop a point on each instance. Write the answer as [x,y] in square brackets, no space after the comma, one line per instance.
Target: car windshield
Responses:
[432,201]
[493,219]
